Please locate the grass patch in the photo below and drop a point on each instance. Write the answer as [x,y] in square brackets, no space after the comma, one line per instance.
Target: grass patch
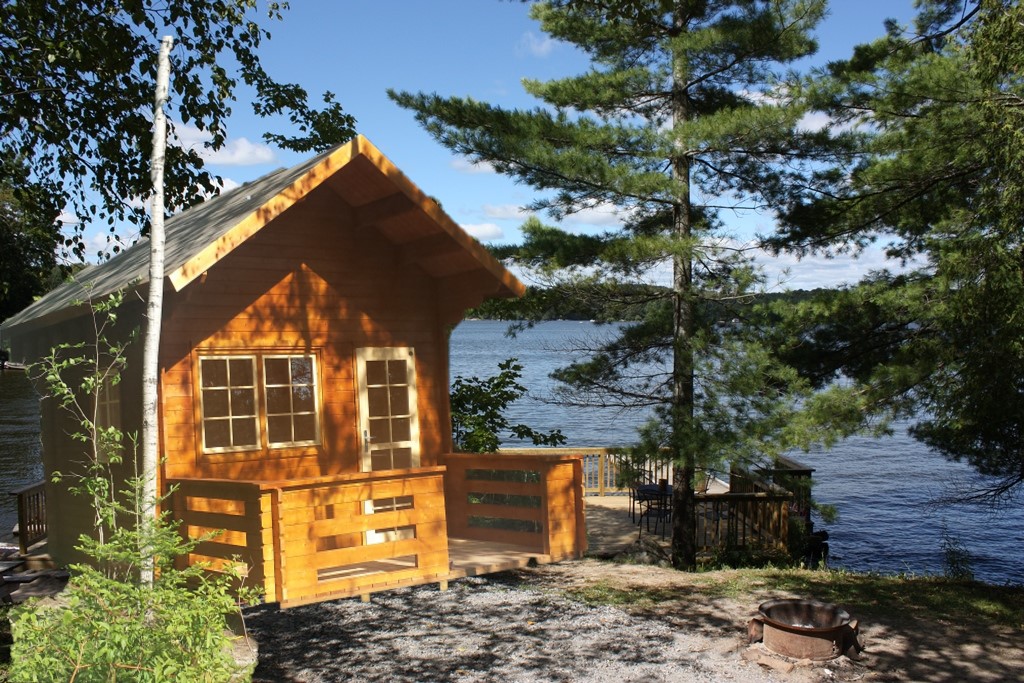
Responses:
[937,598]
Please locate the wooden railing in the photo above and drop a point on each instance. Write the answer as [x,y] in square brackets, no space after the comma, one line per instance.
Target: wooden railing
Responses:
[606,470]
[31,515]
[319,539]
[742,520]
[530,498]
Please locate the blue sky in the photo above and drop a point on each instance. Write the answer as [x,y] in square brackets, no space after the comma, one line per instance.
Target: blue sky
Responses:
[478,48]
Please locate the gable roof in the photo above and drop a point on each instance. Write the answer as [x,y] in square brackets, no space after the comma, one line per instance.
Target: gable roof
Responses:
[378,194]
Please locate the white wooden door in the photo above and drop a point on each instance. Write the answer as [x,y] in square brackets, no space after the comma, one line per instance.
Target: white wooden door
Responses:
[388,424]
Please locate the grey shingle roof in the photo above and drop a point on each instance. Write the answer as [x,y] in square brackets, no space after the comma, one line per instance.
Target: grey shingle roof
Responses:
[186,233]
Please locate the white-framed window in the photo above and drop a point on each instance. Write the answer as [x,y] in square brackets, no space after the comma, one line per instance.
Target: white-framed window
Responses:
[290,391]
[258,400]
[230,415]
[108,404]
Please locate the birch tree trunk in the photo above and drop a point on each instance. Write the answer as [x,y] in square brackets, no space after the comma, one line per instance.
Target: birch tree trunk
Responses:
[154,313]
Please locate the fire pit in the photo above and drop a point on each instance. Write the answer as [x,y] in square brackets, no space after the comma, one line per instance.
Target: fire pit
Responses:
[807,629]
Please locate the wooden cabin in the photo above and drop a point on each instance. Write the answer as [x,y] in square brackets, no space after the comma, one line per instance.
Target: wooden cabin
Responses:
[304,388]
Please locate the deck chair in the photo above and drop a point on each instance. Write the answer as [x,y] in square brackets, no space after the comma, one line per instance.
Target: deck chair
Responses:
[659,508]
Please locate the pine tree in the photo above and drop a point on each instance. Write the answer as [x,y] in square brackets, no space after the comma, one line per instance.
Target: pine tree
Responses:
[681,116]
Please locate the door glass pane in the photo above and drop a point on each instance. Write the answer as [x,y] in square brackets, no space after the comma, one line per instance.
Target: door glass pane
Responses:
[377,400]
[399,400]
[379,432]
[381,460]
[396,372]
[400,430]
[401,458]
[376,372]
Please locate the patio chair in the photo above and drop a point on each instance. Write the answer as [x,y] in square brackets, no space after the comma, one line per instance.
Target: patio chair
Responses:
[657,505]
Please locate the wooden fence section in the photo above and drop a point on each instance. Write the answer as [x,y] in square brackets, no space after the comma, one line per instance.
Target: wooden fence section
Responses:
[521,498]
[743,520]
[239,517]
[363,533]
[31,515]
[325,538]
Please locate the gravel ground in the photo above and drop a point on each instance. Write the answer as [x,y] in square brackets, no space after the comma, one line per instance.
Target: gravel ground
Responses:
[487,629]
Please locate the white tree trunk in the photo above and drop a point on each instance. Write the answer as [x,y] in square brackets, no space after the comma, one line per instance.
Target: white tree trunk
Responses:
[154,311]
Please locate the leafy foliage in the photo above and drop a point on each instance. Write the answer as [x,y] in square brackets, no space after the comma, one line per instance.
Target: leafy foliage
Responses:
[28,255]
[111,624]
[478,411]
[938,177]
[76,85]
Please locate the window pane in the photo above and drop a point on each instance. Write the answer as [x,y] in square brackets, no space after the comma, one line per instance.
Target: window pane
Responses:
[276,370]
[401,458]
[279,429]
[278,400]
[381,460]
[302,370]
[376,372]
[214,372]
[396,372]
[243,431]
[400,430]
[305,428]
[400,400]
[216,434]
[377,401]
[243,402]
[241,372]
[215,403]
[303,400]
[379,432]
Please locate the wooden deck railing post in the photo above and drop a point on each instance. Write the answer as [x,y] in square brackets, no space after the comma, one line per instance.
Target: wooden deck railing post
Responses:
[31,515]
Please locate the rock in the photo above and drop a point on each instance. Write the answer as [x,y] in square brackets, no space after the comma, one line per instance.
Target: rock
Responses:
[755,630]
[777,664]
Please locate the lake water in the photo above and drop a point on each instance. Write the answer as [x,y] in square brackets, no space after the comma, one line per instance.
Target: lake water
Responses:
[20,462]
[880,486]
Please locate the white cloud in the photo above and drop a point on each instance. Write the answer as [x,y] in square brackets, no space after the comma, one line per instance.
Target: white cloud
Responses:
[813,121]
[531,45]
[236,152]
[227,184]
[603,215]
[464,165]
[484,231]
[506,212]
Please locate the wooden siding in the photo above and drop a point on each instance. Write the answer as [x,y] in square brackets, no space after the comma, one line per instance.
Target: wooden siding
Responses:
[310,282]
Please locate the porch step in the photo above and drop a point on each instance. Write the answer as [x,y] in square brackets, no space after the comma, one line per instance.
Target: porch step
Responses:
[10,565]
